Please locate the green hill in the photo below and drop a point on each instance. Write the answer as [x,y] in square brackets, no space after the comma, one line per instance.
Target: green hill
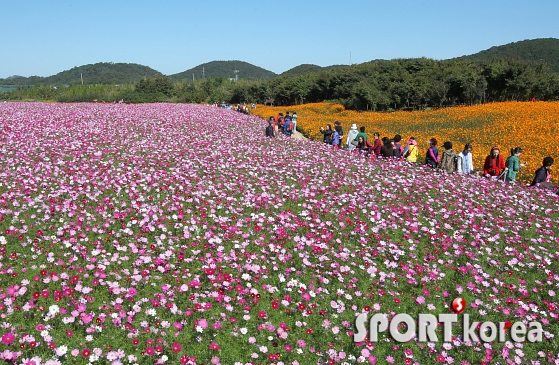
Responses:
[309,68]
[99,73]
[224,69]
[543,49]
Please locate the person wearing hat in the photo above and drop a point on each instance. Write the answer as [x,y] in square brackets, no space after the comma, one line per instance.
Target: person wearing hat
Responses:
[494,163]
[513,164]
[351,136]
[411,153]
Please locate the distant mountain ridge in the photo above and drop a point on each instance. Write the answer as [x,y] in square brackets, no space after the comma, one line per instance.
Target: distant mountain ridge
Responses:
[227,69]
[98,73]
[308,68]
[544,50]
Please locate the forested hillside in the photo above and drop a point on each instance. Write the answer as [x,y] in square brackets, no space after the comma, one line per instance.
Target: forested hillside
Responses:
[545,50]
[225,69]
[98,73]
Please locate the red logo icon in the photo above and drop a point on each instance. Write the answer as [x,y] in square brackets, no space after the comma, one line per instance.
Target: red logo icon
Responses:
[508,324]
[458,305]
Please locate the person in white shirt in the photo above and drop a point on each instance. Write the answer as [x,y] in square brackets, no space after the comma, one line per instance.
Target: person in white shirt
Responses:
[464,163]
[294,120]
[351,136]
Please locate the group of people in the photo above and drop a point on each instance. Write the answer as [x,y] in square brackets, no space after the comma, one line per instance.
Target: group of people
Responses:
[284,124]
[495,166]
[357,141]
[241,108]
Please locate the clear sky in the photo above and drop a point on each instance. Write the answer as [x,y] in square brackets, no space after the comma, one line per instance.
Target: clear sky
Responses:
[42,38]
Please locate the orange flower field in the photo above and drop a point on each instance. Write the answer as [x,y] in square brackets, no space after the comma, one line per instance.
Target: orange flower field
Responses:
[532,126]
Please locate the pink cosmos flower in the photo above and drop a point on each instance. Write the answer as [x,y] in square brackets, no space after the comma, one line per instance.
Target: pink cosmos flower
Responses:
[8,338]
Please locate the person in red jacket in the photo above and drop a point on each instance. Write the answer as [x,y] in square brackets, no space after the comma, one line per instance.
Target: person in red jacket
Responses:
[363,147]
[377,145]
[494,163]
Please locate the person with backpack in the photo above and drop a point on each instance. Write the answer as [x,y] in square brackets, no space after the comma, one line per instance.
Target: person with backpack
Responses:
[397,150]
[288,127]
[464,163]
[494,163]
[294,120]
[448,162]
[270,128]
[513,164]
[411,152]
[432,157]
[351,136]
[327,134]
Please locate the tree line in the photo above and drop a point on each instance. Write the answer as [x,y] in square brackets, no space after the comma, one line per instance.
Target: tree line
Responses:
[401,84]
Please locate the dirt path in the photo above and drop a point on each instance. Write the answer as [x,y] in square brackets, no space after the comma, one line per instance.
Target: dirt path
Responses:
[297,135]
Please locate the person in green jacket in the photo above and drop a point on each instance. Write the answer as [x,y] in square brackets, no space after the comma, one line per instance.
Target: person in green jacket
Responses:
[361,134]
[513,164]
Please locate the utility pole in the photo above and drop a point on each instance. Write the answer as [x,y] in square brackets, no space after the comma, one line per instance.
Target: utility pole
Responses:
[81,77]
[203,73]
[193,77]
[236,75]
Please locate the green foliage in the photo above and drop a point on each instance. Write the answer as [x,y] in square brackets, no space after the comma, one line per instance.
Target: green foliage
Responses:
[158,85]
[99,73]
[224,69]
[400,84]
[543,50]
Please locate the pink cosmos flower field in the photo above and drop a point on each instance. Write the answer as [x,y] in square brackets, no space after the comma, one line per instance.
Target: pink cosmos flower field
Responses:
[179,234]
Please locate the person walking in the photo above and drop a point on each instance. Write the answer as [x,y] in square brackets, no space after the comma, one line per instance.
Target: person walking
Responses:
[270,128]
[351,136]
[294,120]
[288,127]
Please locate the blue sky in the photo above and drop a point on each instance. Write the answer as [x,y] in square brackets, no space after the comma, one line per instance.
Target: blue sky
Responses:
[46,37]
